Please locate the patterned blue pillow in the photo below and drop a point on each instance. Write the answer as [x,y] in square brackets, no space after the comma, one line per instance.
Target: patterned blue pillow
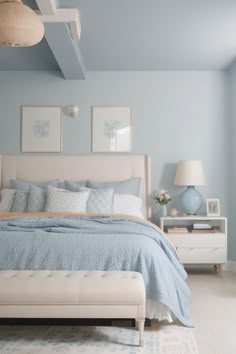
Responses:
[129,186]
[25,185]
[37,199]
[99,201]
[6,199]
[20,201]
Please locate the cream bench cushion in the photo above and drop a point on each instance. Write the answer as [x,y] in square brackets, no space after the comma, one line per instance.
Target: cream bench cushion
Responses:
[73,294]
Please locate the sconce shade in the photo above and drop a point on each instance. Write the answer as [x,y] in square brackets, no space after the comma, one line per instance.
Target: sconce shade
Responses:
[189,173]
[73,111]
[19,24]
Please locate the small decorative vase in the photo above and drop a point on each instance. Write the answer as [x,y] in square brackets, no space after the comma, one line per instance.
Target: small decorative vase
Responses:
[163,210]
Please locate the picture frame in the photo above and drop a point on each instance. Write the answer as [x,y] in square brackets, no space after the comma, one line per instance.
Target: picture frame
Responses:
[213,207]
[41,129]
[111,129]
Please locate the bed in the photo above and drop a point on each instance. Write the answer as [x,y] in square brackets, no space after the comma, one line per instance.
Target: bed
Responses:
[66,241]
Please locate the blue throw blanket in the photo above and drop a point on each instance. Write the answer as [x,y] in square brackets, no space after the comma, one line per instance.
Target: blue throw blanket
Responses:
[97,243]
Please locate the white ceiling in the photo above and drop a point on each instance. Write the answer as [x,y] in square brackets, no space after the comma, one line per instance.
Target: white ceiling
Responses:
[157,34]
[142,35]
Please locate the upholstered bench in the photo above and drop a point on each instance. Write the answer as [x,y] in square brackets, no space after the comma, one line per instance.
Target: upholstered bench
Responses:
[73,294]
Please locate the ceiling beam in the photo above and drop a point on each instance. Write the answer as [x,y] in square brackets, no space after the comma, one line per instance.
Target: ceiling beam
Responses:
[47,7]
[62,32]
[69,16]
[66,51]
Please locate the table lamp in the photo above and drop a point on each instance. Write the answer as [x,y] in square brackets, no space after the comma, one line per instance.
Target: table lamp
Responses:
[190,173]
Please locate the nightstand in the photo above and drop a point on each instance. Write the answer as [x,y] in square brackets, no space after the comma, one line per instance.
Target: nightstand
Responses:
[199,248]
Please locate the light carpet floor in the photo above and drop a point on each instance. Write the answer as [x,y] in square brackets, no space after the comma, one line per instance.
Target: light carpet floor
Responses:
[213,311]
[164,339]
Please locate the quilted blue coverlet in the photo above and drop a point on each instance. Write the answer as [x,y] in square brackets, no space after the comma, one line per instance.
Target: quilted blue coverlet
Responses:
[97,243]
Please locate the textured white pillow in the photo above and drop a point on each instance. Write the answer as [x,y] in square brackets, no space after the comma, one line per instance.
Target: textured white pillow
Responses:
[6,200]
[127,204]
[65,201]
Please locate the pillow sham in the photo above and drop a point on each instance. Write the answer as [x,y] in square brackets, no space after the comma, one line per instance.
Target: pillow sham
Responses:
[73,185]
[25,185]
[37,199]
[65,201]
[20,201]
[129,186]
[99,201]
[127,204]
[61,185]
[6,200]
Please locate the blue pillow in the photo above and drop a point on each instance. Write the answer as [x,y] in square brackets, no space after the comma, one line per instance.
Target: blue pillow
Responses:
[99,201]
[25,185]
[72,185]
[37,199]
[20,201]
[129,186]
[61,185]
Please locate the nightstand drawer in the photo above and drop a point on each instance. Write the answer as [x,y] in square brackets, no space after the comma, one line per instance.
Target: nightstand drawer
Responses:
[215,240]
[196,248]
[202,255]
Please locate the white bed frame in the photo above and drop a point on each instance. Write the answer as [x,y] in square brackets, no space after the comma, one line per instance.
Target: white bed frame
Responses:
[38,168]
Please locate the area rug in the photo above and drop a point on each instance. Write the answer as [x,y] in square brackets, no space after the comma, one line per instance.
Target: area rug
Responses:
[158,339]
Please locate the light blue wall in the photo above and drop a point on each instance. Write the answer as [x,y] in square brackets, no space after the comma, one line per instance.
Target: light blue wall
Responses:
[232,161]
[175,115]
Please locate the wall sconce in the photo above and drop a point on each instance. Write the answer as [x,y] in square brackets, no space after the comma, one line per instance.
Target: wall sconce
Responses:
[73,111]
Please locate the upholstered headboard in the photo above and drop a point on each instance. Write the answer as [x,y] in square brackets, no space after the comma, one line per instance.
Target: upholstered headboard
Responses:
[38,168]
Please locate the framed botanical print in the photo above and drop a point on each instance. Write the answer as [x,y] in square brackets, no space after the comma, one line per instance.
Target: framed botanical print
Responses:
[41,129]
[111,129]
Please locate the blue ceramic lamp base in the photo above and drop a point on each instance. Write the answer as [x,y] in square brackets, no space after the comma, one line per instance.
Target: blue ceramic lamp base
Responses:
[190,201]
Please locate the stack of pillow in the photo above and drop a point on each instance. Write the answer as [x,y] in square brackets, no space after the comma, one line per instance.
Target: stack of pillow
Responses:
[76,197]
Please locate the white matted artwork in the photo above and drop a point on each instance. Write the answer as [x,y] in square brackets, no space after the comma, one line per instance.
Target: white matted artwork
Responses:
[213,207]
[41,129]
[111,129]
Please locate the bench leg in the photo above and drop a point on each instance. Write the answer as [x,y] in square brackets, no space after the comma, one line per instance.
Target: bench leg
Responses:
[140,325]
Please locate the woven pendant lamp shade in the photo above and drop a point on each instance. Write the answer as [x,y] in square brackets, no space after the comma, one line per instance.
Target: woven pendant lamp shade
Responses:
[19,25]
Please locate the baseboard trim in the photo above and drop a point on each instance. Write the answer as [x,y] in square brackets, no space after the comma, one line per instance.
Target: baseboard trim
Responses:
[230,266]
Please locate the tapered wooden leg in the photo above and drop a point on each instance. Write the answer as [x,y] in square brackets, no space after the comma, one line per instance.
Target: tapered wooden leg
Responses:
[141,331]
[220,270]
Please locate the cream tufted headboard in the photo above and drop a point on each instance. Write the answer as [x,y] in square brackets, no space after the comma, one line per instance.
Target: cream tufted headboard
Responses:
[38,168]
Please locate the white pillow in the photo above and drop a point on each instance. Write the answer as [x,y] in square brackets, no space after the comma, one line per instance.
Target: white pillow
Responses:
[6,200]
[66,201]
[127,204]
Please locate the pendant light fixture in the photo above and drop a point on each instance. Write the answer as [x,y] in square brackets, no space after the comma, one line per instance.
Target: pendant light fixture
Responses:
[19,24]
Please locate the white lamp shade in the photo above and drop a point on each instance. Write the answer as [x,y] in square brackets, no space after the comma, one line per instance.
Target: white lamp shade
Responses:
[19,24]
[189,173]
